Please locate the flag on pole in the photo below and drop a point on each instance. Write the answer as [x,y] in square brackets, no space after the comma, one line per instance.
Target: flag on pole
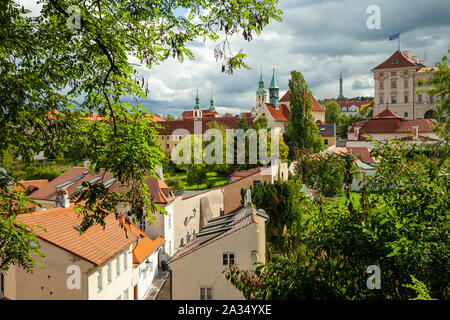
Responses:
[395,36]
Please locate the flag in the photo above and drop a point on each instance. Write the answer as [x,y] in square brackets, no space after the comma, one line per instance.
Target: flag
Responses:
[395,36]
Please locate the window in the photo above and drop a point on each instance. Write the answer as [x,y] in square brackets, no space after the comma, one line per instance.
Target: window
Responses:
[325,141]
[406,83]
[117,266]
[393,99]
[2,289]
[406,114]
[381,100]
[99,281]
[108,269]
[431,98]
[381,74]
[206,293]
[125,262]
[254,256]
[227,259]
[406,72]
[406,99]
[419,97]
[393,73]
[381,85]
[168,220]
[167,146]
[256,183]
[393,84]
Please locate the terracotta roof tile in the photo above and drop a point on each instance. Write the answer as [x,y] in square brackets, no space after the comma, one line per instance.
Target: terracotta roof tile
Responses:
[282,114]
[146,245]
[96,245]
[398,59]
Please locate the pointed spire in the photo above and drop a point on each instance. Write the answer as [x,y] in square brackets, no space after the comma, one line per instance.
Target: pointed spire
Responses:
[273,83]
[261,91]
[197,102]
[274,92]
[211,102]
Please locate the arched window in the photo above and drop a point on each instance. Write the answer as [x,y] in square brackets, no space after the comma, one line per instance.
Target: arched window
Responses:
[254,256]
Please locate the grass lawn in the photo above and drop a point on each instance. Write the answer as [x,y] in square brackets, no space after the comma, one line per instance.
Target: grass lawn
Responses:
[212,177]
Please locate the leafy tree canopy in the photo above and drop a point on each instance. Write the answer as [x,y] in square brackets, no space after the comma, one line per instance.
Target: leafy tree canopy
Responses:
[60,65]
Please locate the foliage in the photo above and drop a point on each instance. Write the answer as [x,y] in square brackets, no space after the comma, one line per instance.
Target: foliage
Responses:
[196,175]
[302,131]
[170,117]
[420,288]
[53,73]
[332,111]
[440,87]
[403,229]
[321,172]
[366,111]
[281,201]
[343,124]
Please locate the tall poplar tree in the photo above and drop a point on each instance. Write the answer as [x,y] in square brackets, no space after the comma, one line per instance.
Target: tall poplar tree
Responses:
[302,131]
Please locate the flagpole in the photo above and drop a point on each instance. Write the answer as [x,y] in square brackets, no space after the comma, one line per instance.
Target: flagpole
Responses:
[399,41]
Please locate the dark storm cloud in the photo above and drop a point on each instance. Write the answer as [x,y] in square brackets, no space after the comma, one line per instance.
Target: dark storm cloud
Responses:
[318,38]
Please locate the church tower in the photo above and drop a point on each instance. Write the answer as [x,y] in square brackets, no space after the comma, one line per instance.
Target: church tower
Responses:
[261,93]
[197,110]
[274,92]
[211,102]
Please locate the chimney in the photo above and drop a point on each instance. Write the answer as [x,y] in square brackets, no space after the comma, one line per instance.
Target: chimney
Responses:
[407,53]
[416,59]
[416,132]
[159,172]
[86,164]
[62,199]
[248,198]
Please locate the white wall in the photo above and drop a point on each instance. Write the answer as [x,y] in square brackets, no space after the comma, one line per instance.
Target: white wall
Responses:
[119,283]
[146,274]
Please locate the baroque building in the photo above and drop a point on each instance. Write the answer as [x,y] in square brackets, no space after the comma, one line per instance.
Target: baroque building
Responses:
[396,87]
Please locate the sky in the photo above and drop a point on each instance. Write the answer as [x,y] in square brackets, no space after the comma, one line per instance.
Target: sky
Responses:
[319,38]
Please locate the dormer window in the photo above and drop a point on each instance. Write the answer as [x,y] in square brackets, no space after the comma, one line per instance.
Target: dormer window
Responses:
[395,62]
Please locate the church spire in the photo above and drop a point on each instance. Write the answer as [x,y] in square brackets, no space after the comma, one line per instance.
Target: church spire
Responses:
[197,101]
[274,91]
[211,102]
[261,91]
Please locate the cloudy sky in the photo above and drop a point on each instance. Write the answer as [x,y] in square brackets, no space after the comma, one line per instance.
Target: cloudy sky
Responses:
[319,39]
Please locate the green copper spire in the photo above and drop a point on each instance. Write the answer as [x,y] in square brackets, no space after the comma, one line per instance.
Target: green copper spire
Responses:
[211,102]
[274,92]
[197,102]
[261,91]
[273,83]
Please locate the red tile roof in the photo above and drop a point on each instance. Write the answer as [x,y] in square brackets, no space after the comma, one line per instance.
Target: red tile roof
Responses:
[390,122]
[96,245]
[187,115]
[387,114]
[402,61]
[245,173]
[282,114]
[189,124]
[348,104]
[159,191]
[315,105]
[145,246]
